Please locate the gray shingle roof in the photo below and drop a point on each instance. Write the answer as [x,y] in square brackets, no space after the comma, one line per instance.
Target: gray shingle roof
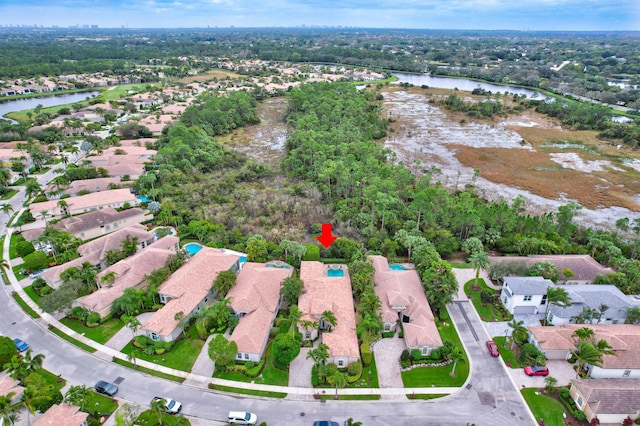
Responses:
[527,285]
[593,296]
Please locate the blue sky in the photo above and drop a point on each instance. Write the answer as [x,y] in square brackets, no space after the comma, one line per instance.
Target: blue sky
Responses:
[556,15]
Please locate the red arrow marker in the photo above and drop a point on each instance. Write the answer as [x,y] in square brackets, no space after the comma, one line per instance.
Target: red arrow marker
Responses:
[326,239]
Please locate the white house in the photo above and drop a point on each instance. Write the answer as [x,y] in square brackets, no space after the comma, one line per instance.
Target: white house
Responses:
[525,295]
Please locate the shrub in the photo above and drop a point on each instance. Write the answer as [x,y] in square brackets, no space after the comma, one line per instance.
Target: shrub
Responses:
[45,290]
[93,319]
[24,248]
[579,415]
[416,354]
[79,313]
[140,342]
[405,355]
[365,352]
[564,393]
[405,364]
[388,334]
[7,350]
[355,368]
[314,376]
[637,421]
[435,355]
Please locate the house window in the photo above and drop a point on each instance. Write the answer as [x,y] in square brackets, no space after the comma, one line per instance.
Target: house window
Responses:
[544,299]
[341,363]
[246,356]
[527,298]
[115,225]
[239,355]
[154,336]
[387,327]
[504,300]
[307,335]
[627,373]
[425,351]
[579,401]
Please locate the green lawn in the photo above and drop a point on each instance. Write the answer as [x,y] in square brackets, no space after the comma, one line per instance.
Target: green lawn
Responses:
[149,418]
[369,377]
[487,312]
[25,307]
[270,375]
[100,334]
[426,395]
[332,395]
[440,376]
[51,378]
[33,295]
[505,352]
[96,403]
[250,392]
[10,194]
[181,357]
[544,407]
[70,339]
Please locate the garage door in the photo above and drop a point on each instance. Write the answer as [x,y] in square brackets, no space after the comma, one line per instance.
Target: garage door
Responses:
[523,310]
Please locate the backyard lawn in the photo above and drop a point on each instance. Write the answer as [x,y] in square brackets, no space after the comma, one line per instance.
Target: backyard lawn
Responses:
[488,312]
[181,357]
[149,418]
[440,376]
[544,407]
[100,334]
[102,404]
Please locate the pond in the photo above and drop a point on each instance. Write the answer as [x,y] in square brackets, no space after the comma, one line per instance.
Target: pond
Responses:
[464,84]
[46,101]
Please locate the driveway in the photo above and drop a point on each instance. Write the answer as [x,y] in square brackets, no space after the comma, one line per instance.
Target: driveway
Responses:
[387,353]
[300,369]
[560,369]
[124,336]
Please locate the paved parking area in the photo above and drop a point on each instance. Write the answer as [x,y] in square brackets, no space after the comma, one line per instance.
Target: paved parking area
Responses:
[561,370]
[300,369]
[387,353]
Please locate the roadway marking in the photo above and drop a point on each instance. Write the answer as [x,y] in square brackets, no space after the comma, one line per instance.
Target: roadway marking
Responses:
[466,319]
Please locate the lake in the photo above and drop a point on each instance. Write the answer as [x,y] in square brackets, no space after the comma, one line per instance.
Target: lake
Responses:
[46,101]
[463,84]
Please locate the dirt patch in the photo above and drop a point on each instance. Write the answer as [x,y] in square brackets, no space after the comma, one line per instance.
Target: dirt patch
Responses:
[210,75]
[527,154]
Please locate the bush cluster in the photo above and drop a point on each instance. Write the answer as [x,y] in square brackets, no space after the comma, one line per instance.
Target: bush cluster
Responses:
[152,347]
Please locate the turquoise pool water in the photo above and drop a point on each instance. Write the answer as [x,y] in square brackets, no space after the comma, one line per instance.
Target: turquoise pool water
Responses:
[335,273]
[192,248]
[397,267]
[144,199]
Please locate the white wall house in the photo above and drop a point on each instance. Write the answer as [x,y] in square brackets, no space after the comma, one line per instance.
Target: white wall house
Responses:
[525,295]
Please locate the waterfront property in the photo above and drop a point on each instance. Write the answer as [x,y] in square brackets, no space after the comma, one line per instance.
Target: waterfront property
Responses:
[255,299]
[322,293]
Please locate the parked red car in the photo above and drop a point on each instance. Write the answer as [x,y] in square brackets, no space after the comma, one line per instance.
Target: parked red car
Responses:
[493,348]
[536,370]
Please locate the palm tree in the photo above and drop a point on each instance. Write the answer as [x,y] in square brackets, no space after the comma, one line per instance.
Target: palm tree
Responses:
[328,320]
[586,353]
[456,356]
[604,347]
[338,380]
[33,396]
[292,319]
[320,355]
[133,323]
[77,395]
[8,411]
[550,383]
[556,296]
[7,209]
[583,334]
[108,279]
[479,260]
[519,332]
[20,367]
[157,407]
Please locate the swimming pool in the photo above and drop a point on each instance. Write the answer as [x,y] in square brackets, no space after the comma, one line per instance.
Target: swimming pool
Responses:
[144,199]
[192,248]
[397,267]
[335,273]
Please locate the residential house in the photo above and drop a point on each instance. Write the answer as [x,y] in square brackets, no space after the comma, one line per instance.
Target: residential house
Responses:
[525,295]
[592,303]
[584,269]
[255,299]
[62,415]
[129,272]
[188,290]
[101,222]
[99,247]
[402,298]
[114,198]
[125,170]
[9,385]
[558,342]
[92,185]
[611,401]
[328,288]
[53,275]
[128,155]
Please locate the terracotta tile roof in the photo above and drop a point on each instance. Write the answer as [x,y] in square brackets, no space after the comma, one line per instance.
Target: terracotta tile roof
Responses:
[94,219]
[132,169]
[8,385]
[96,199]
[61,415]
[583,266]
[610,396]
[114,240]
[92,185]
[188,286]
[623,338]
[256,293]
[403,290]
[323,293]
[130,272]
[52,275]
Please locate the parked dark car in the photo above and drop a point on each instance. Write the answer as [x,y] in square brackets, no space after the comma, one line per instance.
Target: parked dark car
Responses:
[21,345]
[536,370]
[493,348]
[106,388]
[325,423]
